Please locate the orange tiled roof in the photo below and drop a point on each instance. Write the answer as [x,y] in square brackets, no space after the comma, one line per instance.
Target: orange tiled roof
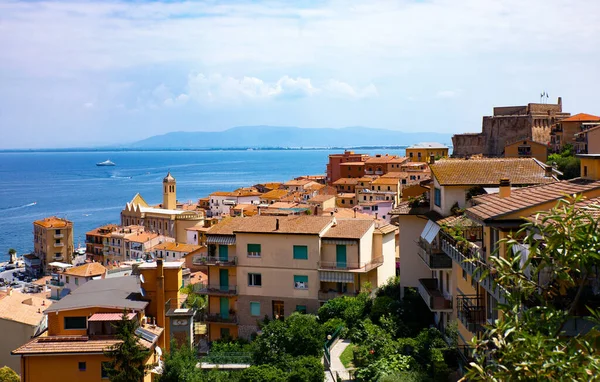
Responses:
[349,228]
[320,198]
[65,344]
[239,193]
[384,159]
[176,247]
[581,117]
[86,270]
[297,224]
[24,308]
[386,181]
[274,194]
[493,206]
[53,222]
[489,171]
[141,237]
[103,231]
[352,164]
[346,195]
[346,181]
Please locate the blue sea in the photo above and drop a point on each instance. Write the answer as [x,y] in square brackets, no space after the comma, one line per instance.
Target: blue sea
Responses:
[70,185]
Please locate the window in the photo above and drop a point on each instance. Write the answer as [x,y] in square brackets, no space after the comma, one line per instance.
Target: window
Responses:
[464,275]
[67,279]
[75,323]
[82,366]
[255,309]
[389,188]
[411,155]
[437,197]
[76,281]
[343,201]
[585,171]
[57,232]
[301,308]
[300,282]
[300,252]
[351,201]
[254,279]
[253,250]
[104,370]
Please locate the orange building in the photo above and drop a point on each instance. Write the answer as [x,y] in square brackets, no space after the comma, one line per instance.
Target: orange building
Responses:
[81,325]
[337,161]
[526,148]
[97,242]
[52,240]
[382,164]
[564,131]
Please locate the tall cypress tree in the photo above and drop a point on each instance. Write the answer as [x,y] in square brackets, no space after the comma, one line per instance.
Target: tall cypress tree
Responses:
[127,358]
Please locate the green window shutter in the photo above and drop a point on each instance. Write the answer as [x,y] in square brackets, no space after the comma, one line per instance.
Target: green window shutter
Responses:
[301,308]
[253,249]
[300,252]
[255,308]
[300,282]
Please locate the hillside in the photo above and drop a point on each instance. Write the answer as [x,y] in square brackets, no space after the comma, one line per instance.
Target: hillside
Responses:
[276,136]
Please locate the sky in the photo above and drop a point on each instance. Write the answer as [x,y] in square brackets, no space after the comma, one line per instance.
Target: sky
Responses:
[92,73]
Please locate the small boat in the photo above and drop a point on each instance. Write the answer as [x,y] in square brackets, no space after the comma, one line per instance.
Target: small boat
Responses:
[106,163]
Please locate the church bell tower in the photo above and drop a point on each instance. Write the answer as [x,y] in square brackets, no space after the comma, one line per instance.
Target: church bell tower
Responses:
[169,193]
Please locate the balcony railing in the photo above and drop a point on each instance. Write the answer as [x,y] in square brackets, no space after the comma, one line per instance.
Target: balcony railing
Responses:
[350,266]
[58,235]
[214,260]
[433,257]
[433,297]
[55,283]
[470,258]
[57,258]
[471,312]
[330,295]
[58,245]
[215,289]
[218,318]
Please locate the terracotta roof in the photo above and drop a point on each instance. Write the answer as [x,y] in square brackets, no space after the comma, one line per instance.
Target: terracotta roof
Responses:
[493,206]
[345,213]
[461,221]
[141,237]
[315,187]
[296,224]
[274,194]
[349,228]
[366,179]
[297,182]
[198,228]
[346,195]
[103,231]
[321,198]
[590,207]
[53,222]
[352,164]
[237,194]
[383,159]
[110,316]
[405,208]
[283,205]
[386,229]
[24,308]
[396,175]
[489,171]
[428,145]
[86,270]
[386,181]
[525,141]
[65,344]
[581,117]
[176,247]
[346,181]
[225,226]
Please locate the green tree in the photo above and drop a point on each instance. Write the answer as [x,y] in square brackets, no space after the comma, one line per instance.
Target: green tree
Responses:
[263,373]
[8,375]
[180,365]
[306,369]
[127,358]
[544,292]
[567,162]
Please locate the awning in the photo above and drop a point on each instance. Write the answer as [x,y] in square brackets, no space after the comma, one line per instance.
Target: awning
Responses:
[336,277]
[340,241]
[430,231]
[60,265]
[109,317]
[224,240]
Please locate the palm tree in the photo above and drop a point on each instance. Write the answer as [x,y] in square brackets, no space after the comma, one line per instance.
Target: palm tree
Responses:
[12,254]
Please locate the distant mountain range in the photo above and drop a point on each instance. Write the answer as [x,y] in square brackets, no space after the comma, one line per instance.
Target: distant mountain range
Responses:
[289,137]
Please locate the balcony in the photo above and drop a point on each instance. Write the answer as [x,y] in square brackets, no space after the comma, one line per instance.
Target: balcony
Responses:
[369,172]
[471,312]
[378,172]
[215,260]
[58,235]
[433,297]
[350,266]
[330,295]
[59,245]
[218,318]
[54,282]
[215,290]
[433,257]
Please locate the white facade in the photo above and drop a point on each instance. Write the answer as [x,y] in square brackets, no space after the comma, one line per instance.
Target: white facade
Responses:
[222,204]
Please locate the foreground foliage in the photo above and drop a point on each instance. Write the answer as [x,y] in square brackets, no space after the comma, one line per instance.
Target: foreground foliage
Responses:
[545,291]
[8,375]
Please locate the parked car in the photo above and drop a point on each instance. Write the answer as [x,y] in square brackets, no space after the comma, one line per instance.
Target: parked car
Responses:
[10,266]
[2,269]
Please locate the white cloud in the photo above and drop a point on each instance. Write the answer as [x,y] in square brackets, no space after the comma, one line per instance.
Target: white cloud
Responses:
[344,90]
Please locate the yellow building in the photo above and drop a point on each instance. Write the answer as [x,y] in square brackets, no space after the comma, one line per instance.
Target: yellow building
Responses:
[391,186]
[81,325]
[52,240]
[169,218]
[272,266]
[422,151]
[526,148]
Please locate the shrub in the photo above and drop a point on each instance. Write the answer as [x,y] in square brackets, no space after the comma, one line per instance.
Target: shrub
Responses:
[263,373]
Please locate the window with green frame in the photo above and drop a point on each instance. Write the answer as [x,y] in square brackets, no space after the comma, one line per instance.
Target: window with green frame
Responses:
[253,250]
[300,282]
[255,309]
[301,308]
[300,252]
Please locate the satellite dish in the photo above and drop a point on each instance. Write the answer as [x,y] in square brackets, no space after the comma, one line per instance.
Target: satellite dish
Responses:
[142,279]
[142,292]
[158,351]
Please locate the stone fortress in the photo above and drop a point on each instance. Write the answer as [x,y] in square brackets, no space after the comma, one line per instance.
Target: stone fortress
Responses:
[507,125]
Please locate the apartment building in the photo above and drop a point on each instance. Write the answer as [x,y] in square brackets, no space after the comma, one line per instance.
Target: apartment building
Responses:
[81,326]
[455,182]
[300,185]
[347,185]
[173,251]
[272,196]
[169,218]
[422,151]
[97,242]
[52,240]
[588,141]
[338,161]
[221,202]
[382,164]
[565,131]
[272,266]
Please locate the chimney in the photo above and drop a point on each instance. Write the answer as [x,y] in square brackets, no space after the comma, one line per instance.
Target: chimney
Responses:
[431,159]
[160,297]
[504,191]
[276,224]
[258,208]
[548,171]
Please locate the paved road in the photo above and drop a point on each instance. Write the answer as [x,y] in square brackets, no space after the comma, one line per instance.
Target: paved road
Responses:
[337,368]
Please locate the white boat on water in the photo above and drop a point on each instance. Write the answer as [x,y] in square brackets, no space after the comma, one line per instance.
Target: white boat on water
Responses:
[106,163]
